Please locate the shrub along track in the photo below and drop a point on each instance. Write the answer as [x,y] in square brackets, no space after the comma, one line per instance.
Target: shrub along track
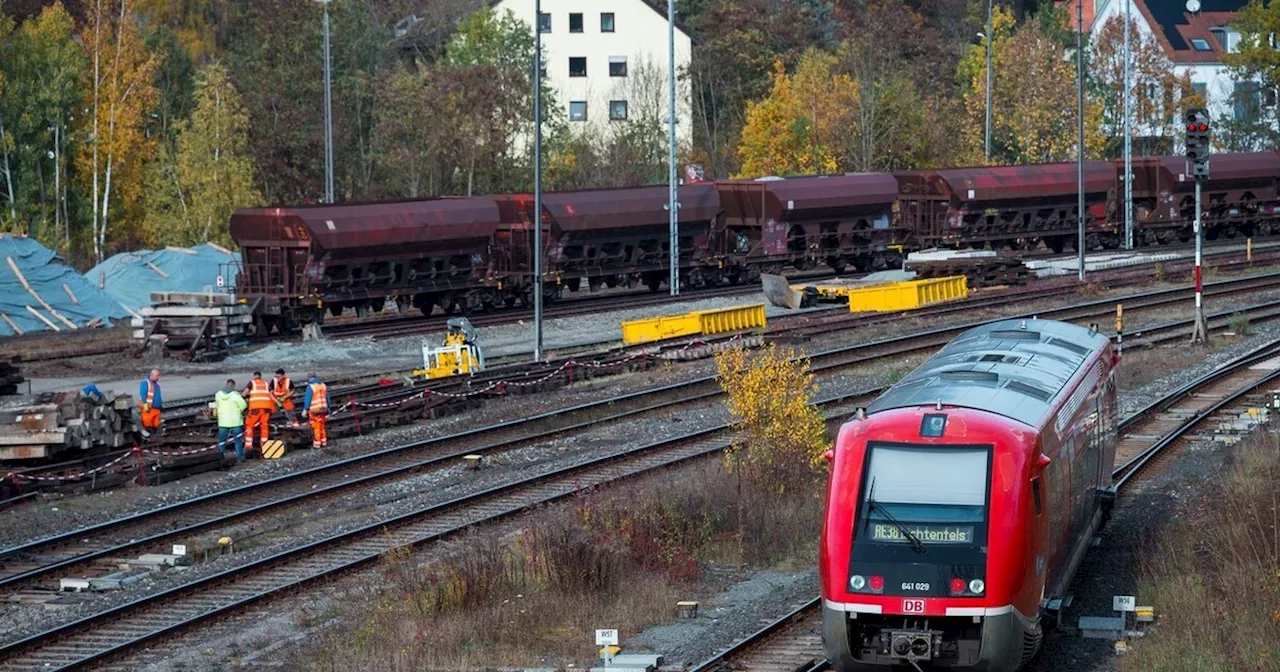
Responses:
[1154,434]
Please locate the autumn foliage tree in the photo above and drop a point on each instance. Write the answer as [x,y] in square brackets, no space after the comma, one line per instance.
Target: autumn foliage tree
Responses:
[210,175]
[119,89]
[1158,94]
[1033,96]
[770,394]
[801,127]
[1257,64]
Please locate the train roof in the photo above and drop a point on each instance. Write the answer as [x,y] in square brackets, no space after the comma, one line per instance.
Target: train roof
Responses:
[362,225]
[1169,173]
[1007,183]
[1013,368]
[628,206]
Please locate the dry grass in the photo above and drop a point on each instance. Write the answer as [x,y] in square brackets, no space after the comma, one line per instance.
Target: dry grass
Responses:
[1214,579]
[619,557]
[1145,365]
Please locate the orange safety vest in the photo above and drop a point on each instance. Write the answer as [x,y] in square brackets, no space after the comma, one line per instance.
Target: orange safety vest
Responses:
[282,388]
[319,398]
[151,391]
[260,396]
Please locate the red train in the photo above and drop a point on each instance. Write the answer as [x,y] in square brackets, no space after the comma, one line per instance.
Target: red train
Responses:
[472,254]
[961,501]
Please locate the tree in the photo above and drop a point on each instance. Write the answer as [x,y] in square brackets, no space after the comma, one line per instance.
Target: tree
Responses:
[211,175]
[1158,94]
[801,127]
[174,82]
[121,90]
[492,54]
[41,98]
[7,145]
[1033,99]
[769,395]
[1253,122]
[890,130]
[414,134]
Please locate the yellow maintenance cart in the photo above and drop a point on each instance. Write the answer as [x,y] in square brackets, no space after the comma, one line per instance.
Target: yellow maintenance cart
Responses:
[460,353]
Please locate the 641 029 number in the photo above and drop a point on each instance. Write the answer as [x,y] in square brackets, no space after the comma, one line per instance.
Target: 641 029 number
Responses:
[915,586]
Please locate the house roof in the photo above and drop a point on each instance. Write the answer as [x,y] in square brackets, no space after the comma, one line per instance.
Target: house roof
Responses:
[1176,29]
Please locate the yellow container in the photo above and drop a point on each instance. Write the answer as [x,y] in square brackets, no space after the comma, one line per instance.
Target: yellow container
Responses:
[715,321]
[737,318]
[908,295]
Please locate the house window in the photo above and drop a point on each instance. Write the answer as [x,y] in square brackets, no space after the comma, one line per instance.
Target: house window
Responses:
[617,66]
[1200,44]
[544,22]
[617,110]
[577,66]
[1245,101]
[578,110]
[606,22]
[575,23]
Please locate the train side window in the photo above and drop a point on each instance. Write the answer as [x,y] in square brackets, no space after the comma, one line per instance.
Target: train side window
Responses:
[1035,493]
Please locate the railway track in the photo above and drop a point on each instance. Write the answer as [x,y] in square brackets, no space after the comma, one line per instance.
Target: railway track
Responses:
[23,567]
[1152,434]
[128,627]
[405,326]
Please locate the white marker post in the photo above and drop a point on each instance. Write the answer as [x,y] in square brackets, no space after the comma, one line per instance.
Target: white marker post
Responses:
[606,639]
[1124,604]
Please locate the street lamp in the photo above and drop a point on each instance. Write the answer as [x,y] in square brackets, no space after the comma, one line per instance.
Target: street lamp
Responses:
[328,111]
[1080,214]
[673,202]
[990,37]
[1128,143]
[537,180]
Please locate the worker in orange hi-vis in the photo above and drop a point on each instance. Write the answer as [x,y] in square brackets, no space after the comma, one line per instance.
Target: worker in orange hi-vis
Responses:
[149,403]
[261,406]
[315,407]
[282,390]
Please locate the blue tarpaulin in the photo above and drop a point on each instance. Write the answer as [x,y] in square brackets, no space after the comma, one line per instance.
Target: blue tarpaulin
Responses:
[130,277]
[61,294]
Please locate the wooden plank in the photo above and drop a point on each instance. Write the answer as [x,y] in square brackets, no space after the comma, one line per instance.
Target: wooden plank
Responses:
[42,318]
[11,324]
[21,278]
[70,294]
[187,311]
[157,270]
[197,298]
[52,436]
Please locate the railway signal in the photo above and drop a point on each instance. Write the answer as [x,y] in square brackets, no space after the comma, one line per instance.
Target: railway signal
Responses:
[1197,143]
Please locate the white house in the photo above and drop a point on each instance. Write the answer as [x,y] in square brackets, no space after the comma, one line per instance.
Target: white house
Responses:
[607,60]
[1194,40]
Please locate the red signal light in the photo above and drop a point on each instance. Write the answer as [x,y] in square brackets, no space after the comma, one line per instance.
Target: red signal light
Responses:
[876,583]
[1191,127]
[957,585]
[1203,128]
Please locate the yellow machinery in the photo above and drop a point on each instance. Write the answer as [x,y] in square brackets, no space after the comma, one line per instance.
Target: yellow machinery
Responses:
[460,354]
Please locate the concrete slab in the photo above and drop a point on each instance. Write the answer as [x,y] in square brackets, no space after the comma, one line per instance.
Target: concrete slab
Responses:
[1101,627]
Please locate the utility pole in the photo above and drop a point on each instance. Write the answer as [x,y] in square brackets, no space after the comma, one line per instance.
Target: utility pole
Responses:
[1128,141]
[328,111]
[990,38]
[537,181]
[673,195]
[1080,213]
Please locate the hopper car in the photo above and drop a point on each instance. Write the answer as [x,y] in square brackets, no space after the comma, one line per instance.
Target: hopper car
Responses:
[475,253]
[962,500]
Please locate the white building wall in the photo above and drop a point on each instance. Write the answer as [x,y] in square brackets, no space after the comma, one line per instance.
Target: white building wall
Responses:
[640,36]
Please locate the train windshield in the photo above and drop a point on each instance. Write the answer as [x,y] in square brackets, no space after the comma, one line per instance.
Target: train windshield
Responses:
[919,495]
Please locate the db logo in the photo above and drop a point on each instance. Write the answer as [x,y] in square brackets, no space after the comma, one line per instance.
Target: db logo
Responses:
[913,606]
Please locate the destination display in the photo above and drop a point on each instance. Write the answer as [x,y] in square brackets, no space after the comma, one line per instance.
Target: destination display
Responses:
[929,534]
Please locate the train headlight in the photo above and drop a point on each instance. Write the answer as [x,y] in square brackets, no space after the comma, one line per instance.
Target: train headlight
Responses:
[977,586]
[857,582]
